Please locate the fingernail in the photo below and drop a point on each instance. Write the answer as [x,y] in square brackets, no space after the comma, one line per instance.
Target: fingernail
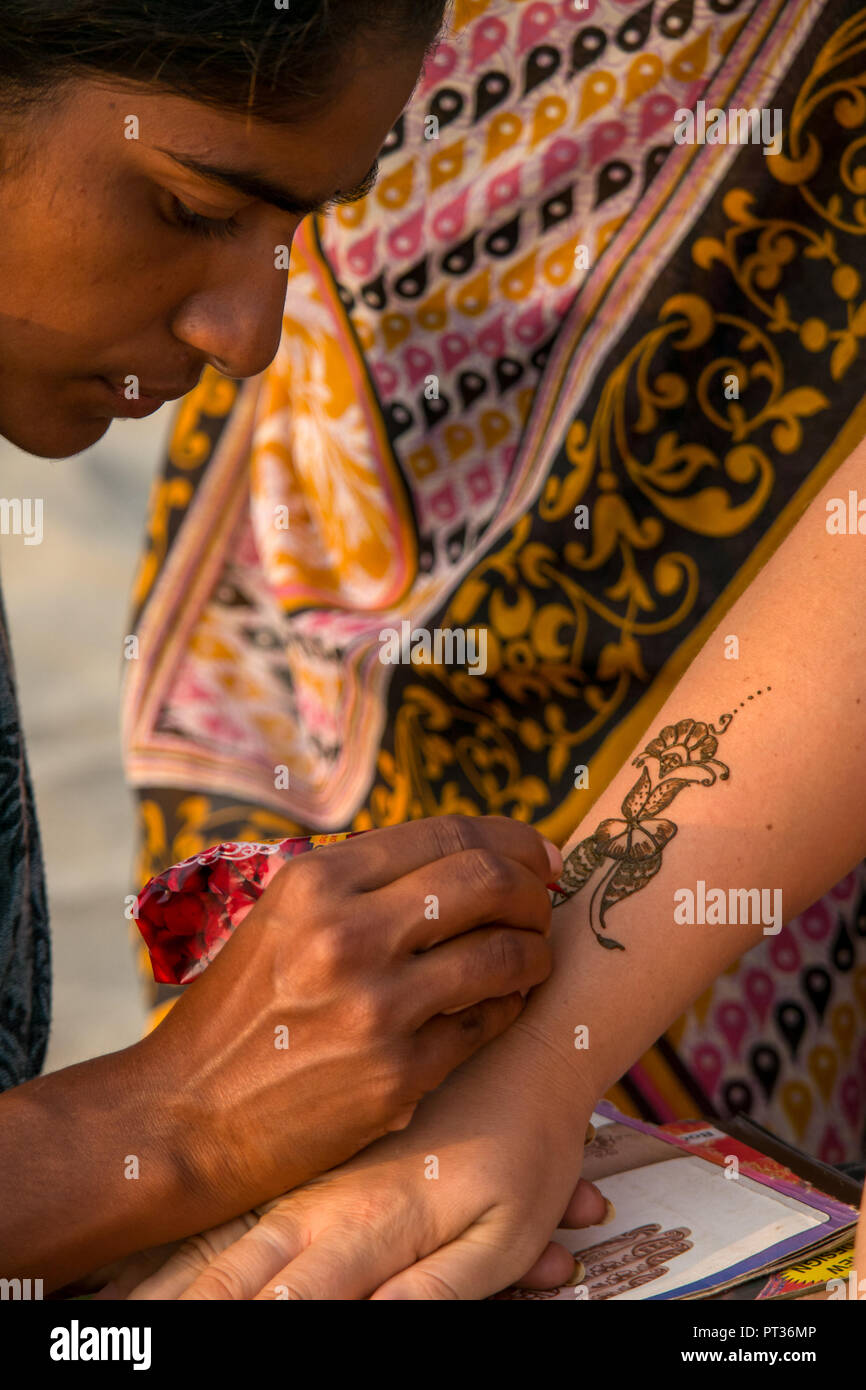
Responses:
[590,1135]
[554,857]
[578,1276]
[609,1213]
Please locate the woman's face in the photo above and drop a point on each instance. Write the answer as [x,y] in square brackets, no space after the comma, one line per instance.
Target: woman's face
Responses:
[119,260]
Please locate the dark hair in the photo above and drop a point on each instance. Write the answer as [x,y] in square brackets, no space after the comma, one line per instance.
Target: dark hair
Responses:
[243,55]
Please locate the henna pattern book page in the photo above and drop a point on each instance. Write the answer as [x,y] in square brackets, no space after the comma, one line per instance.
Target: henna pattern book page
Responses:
[686,1223]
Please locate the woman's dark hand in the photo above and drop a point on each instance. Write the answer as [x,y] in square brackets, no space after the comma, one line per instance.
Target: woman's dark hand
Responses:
[365,974]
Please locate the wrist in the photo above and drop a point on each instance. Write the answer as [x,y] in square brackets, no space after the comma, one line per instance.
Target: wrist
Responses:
[528,1078]
[192,1159]
[554,1031]
[548,1050]
[154,1193]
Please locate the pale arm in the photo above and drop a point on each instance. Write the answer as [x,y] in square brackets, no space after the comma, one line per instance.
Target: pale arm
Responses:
[791,815]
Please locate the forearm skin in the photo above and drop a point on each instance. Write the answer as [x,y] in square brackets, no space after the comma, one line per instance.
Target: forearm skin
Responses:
[791,815]
[71,1144]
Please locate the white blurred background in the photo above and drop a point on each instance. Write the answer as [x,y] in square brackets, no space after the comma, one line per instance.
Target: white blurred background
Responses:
[67,602]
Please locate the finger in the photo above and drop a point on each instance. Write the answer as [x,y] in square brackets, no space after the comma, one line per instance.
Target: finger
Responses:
[488,963]
[381,856]
[475,888]
[242,1270]
[467,1268]
[130,1273]
[342,1263]
[448,1040]
[554,1267]
[188,1260]
[587,1206]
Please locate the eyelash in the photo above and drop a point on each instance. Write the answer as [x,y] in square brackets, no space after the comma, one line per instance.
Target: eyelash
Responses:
[202,226]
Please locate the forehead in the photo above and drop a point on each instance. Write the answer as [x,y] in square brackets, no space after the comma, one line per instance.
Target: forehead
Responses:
[333,149]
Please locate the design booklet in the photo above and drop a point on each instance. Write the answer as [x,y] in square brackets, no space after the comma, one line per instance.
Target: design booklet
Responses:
[697,1213]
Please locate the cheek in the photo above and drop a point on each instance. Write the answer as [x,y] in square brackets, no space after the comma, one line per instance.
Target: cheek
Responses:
[81,268]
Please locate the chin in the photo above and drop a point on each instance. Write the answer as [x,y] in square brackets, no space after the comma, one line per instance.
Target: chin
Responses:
[53,438]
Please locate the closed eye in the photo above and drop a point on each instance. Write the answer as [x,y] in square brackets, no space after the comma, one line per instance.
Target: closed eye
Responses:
[198,225]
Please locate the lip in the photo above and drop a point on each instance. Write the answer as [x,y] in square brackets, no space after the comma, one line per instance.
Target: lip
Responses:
[145,403]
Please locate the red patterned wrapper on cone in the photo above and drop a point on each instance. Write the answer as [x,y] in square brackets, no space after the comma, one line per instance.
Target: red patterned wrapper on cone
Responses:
[187,914]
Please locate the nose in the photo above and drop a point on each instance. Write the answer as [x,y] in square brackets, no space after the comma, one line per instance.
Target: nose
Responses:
[235,322]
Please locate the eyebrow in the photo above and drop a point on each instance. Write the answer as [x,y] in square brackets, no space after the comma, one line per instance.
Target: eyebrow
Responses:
[265,191]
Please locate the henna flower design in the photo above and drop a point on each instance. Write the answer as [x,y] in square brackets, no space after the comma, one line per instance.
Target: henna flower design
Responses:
[688,748]
[624,853]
